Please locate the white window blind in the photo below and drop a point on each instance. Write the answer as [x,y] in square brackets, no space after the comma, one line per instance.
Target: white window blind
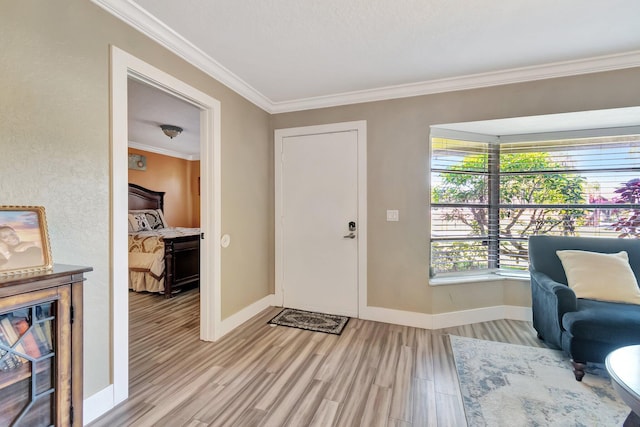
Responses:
[488,197]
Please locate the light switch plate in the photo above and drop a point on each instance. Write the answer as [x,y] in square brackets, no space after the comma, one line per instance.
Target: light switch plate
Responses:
[393,215]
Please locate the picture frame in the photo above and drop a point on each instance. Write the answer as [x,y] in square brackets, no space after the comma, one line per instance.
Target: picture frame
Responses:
[24,240]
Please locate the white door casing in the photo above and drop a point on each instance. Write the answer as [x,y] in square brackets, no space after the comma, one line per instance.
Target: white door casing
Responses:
[124,66]
[320,174]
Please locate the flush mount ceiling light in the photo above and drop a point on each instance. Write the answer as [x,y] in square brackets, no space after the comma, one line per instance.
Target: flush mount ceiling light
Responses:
[171,131]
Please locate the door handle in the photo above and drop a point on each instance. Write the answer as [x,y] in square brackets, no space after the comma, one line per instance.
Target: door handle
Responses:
[350,236]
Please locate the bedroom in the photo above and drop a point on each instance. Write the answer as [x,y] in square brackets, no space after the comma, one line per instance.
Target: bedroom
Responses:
[56,81]
[169,165]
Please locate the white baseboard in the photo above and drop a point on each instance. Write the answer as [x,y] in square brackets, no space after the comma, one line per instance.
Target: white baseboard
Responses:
[97,405]
[401,317]
[237,319]
[445,320]
[514,312]
[485,314]
[397,317]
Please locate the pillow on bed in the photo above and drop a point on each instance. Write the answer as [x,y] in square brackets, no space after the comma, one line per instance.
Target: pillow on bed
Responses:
[154,219]
[138,222]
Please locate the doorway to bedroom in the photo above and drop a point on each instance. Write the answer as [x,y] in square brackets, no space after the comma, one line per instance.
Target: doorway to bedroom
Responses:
[124,69]
[164,193]
[163,221]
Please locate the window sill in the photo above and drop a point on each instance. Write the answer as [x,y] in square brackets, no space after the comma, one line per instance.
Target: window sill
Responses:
[488,277]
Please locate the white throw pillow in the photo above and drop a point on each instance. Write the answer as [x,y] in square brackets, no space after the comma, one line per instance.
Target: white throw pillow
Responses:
[138,222]
[599,276]
[154,218]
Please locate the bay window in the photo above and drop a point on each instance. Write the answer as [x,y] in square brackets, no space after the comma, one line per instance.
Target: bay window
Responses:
[489,194]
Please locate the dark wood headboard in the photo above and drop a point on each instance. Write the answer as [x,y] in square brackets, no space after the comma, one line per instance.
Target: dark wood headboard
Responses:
[143,198]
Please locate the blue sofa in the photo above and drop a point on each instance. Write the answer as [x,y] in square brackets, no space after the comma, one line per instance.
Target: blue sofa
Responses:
[587,330]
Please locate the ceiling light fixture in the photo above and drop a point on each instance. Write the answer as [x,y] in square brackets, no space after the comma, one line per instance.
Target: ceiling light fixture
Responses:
[171,131]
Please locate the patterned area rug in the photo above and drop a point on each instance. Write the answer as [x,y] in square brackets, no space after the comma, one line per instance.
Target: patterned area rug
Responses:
[317,322]
[514,385]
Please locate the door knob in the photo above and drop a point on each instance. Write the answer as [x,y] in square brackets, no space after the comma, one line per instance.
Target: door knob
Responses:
[350,236]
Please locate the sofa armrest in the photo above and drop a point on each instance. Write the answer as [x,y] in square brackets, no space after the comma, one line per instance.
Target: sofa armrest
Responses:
[550,301]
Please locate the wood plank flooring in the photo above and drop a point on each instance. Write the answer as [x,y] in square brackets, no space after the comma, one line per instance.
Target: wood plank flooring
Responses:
[374,374]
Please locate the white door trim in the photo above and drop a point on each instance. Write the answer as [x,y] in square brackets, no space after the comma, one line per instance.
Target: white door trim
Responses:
[123,66]
[361,128]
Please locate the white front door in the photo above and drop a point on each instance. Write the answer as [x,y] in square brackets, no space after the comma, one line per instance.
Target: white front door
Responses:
[317,224]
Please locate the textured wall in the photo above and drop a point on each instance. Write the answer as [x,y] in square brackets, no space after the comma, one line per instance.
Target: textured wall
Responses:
[398,178]
[54,102]
[55,150]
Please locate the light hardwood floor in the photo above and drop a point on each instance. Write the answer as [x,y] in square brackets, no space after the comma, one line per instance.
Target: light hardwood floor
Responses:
[374,374]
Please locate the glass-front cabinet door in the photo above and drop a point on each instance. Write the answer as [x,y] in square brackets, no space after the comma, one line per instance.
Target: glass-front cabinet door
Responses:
[33,391]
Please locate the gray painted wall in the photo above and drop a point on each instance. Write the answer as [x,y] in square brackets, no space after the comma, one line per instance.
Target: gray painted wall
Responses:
[54,103]
[398,178]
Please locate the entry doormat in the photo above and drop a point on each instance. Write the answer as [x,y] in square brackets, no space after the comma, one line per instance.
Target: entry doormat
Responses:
[311,321]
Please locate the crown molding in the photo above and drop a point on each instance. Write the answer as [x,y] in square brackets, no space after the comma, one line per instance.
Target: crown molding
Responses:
[162,151]
[141,20]
[473,81]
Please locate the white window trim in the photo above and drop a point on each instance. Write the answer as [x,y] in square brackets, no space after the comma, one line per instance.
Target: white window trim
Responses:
[494,276]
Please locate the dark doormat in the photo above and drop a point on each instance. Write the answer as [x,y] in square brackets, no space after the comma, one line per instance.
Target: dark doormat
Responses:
[311,321]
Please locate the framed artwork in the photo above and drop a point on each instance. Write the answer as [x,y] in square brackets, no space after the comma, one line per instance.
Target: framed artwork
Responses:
[24,240]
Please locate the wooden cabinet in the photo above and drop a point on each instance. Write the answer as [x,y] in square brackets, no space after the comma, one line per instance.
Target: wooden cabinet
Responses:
[41,348]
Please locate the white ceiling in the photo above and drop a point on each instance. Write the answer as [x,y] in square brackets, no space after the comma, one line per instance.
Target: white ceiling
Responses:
[148,108]
[288,55]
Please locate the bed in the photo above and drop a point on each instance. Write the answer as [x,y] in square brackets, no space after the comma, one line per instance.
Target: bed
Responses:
[161,259]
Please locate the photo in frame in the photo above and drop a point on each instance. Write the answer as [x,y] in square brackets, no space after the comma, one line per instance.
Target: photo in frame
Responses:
[24,240]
